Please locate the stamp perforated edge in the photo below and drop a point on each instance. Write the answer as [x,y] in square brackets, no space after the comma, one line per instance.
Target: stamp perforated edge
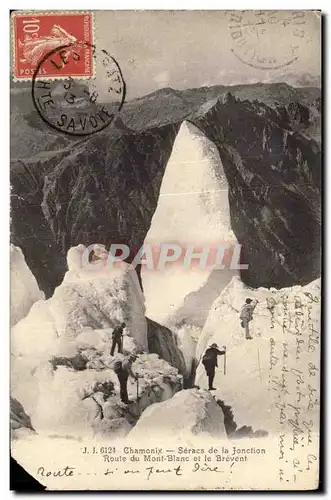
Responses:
[49,13]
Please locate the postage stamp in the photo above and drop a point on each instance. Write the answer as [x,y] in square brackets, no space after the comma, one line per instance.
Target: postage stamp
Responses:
[258,37]
[37,34]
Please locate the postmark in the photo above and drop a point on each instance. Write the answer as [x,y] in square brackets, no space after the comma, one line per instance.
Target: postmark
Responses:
[267,39]
[78,107]
[37,34]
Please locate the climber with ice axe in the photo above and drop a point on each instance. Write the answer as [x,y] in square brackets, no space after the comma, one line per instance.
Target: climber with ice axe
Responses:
[137,380]
[209,361]
[246,316]
[123,369]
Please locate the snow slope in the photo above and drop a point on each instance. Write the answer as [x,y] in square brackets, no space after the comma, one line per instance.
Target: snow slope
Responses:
[253,367]
[191,412]
[192,209]
[24,290]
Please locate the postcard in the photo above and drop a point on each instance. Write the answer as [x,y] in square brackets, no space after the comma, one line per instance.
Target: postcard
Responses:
[166,249]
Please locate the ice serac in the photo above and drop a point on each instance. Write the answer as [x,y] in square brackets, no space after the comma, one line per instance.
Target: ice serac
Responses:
[81,314]
[92,298]
[284,321]
[24,289]
[192,212]
[86,403]
[193,412]
[79,395]
[62,371]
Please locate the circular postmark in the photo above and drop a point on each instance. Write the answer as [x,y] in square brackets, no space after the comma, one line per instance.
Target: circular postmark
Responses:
[267,39]
[78,107]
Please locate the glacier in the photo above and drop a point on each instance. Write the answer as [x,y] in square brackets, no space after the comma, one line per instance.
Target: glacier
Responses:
[62,372]
[188,413]
[24,289]
[86,298]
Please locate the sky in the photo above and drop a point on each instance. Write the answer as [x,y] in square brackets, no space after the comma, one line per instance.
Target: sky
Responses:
[184,49]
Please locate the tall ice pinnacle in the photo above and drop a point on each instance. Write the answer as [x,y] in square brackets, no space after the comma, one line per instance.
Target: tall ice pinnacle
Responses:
[193,210]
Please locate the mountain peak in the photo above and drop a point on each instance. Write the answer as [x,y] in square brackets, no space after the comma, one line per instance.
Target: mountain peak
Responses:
[227,98]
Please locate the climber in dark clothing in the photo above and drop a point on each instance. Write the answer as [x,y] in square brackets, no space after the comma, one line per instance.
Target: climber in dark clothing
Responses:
[209,361]
[246,316]
[117,336]
[123,369]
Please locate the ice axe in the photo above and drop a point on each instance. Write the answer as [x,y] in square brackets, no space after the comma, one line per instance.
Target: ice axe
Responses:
[224,347]
[199,360]
[137,380]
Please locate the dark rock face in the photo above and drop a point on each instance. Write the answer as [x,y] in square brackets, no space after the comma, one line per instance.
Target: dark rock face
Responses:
[298,113]
[163,342]
[104,189]
[77,362]
[274,181]
[231,427]
[18,418]
[89,195]
[31,231]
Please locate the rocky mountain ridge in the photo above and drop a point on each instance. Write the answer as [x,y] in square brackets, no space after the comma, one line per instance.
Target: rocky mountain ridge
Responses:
[105,189]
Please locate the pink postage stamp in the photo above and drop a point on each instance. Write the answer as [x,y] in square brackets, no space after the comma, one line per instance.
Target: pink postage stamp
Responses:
[36,35]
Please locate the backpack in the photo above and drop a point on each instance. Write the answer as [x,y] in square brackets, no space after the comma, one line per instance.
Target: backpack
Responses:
[207,356]
[117,366]
[246,312]
[117,332]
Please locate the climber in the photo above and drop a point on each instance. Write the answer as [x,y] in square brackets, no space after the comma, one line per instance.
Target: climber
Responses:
[123,369]
[117,336]
[209,361]
[246,316]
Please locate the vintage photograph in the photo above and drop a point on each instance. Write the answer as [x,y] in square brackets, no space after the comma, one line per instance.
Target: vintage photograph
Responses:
[165,257]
